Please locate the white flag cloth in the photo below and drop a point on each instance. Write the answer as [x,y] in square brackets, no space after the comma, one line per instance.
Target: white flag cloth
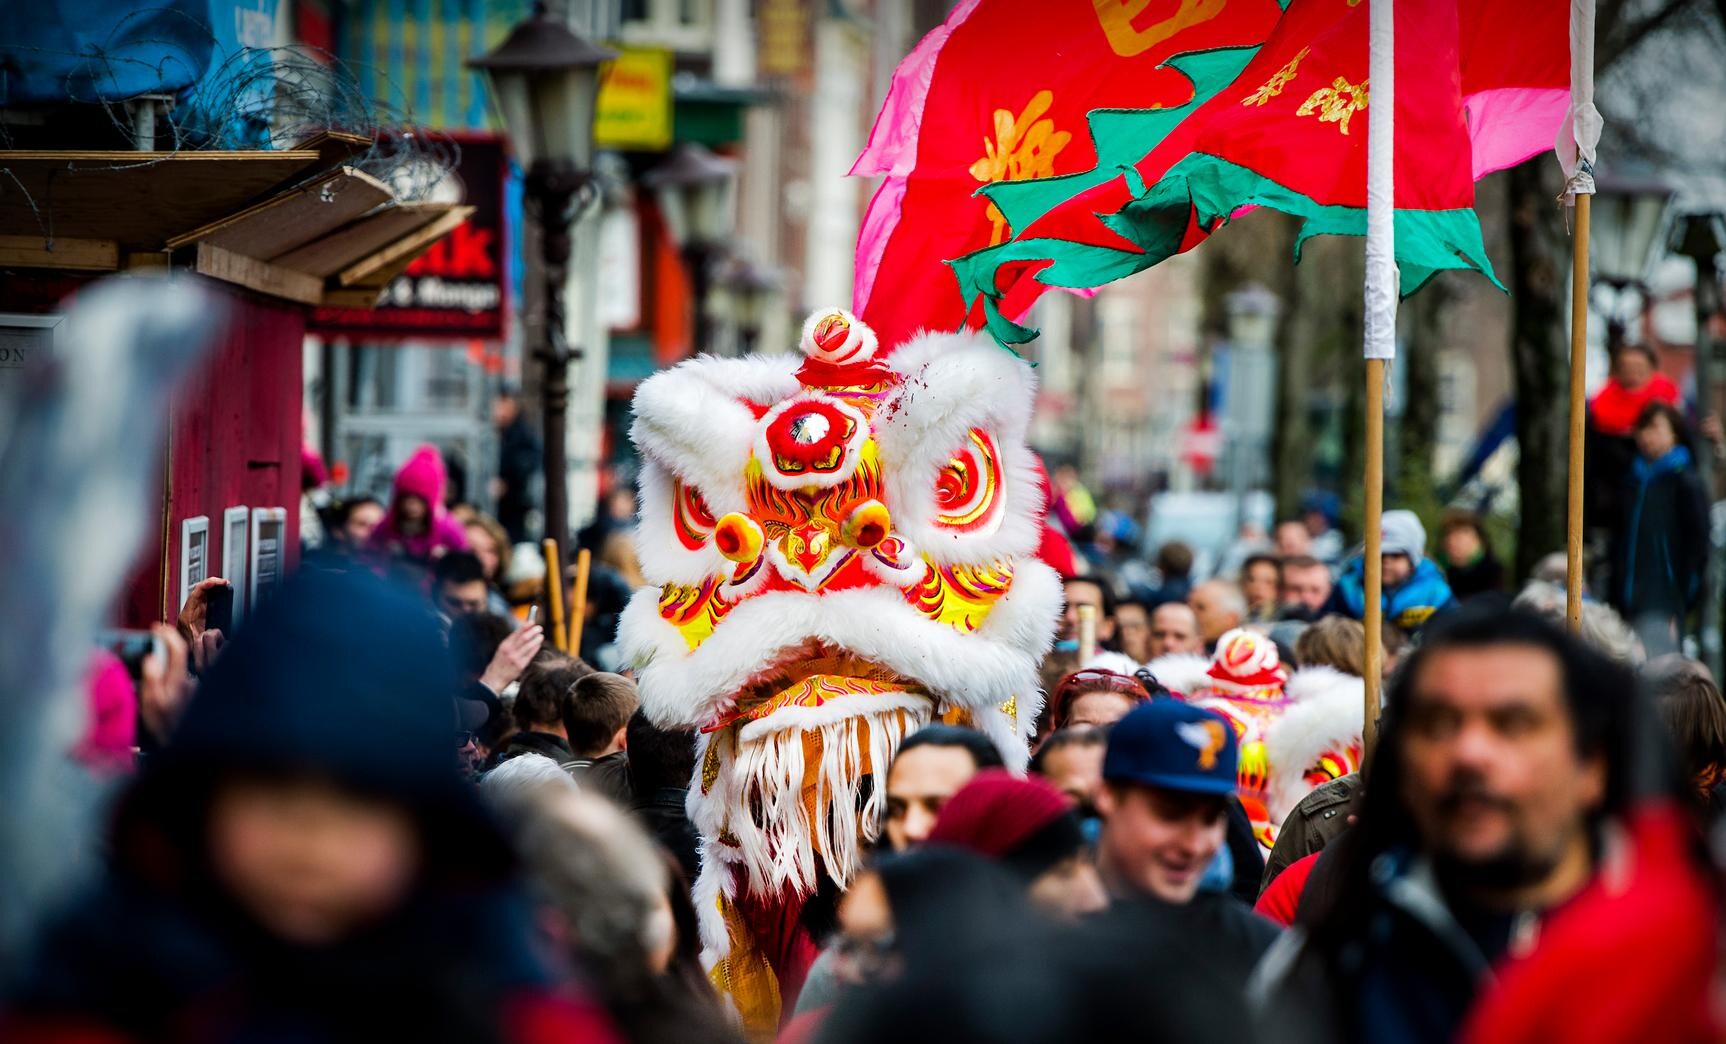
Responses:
[1579,134]
[1381,275]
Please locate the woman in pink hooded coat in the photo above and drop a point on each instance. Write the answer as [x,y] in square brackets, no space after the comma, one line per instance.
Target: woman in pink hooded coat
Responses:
[417,525]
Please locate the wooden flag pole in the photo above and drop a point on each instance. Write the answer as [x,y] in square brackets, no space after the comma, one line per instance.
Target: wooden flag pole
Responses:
[1372,560]
[578,600]
[1578,413]
[1379,334]
[554,592]
[1087,633]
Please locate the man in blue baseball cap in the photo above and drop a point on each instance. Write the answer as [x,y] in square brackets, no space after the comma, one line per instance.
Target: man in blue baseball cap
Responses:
[1168,777]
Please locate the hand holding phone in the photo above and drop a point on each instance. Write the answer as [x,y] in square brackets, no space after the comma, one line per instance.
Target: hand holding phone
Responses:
[219,609]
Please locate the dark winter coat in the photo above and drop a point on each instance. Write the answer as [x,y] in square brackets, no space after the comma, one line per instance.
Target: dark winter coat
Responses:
[608,776]
[1484,575]
[1409,976]
[549,744]
[1215,932]
[1660,547]
[337,679]
[1313,824]
[518,460]
[663,813]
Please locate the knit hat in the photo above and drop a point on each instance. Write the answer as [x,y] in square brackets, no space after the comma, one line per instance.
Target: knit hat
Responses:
[1246,661]
[1400,533]
[1025,824]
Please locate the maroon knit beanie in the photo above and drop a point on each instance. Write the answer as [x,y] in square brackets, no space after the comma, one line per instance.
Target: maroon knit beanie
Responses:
[1025,823]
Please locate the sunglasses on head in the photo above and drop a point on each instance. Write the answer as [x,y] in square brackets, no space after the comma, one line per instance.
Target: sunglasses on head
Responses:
[1095,679]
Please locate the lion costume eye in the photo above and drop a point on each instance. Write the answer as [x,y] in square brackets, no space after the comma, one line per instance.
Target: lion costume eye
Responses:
[968,496]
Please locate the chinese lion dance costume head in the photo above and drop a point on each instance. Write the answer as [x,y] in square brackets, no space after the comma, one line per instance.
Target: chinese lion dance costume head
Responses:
[843,544]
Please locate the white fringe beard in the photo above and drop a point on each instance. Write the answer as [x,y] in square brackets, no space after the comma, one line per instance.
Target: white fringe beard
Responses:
[752,816]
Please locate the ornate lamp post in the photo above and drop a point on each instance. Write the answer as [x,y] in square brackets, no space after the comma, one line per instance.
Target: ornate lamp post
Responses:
[1701,236]
[1252,315]
[1628,214]
[546,81]
[751,288]
[693,188]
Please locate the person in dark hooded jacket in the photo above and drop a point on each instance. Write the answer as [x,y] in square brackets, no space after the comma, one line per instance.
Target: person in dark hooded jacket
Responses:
[302,861]
[1660,546]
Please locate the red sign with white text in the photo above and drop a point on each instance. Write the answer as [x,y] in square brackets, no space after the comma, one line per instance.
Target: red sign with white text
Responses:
[455,290]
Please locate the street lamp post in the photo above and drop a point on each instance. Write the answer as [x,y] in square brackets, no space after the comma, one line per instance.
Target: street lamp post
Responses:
[751,287]
[693,187]
[1252,315]
[1701,237]
[1627,216]
[545,79]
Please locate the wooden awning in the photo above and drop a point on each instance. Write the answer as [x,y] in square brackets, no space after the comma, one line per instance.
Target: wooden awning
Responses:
[296,224]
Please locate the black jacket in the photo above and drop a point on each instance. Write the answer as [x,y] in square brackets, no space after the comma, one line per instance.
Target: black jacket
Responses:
[608,776]
[1214,932]
[549,744]
[1408,975]
[663,813]
[1660,547]
[518,460]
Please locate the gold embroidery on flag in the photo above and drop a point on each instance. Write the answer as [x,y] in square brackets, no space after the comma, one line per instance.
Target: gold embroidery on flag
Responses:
[1279,79]
[1336,103]
[1023,147]
[1128,40]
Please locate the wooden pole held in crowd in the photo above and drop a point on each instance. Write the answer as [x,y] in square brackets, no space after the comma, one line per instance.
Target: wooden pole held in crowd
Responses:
[1087,632]
[578,600]
[1371,556]
[1578,414]
[554,592]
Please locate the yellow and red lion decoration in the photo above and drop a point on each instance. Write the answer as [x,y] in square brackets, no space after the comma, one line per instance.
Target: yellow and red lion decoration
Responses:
[843,545]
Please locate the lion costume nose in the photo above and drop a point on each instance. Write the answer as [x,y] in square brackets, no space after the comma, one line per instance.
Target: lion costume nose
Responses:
[868,524]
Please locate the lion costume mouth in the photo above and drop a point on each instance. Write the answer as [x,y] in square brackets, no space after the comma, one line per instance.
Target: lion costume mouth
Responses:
[810,676]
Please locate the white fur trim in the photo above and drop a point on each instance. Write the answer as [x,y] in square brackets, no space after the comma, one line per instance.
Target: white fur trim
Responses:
[985,668]
[1326,715]
[691,419]
[858,347]
[712,882]
[663,557]
[951,384]
[1012,737]
[1184,673]
[1105,660]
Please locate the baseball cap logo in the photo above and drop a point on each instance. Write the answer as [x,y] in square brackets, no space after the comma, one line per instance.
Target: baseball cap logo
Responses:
[1206,737]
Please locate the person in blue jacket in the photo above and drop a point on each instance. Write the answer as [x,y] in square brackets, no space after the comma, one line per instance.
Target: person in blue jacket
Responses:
[1414,585]
[1660,545]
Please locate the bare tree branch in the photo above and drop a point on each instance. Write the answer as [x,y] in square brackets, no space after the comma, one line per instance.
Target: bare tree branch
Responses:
[1623,36]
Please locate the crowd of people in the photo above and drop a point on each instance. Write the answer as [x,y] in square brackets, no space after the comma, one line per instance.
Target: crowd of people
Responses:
[391,807]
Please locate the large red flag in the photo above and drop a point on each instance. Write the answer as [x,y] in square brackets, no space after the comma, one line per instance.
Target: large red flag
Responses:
[1001,92]
[1480,85]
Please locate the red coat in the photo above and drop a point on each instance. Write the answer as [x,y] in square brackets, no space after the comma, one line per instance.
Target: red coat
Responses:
[1281,899]
[1630,959]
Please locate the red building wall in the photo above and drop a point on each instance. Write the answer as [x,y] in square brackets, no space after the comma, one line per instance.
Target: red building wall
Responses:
[235,440]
